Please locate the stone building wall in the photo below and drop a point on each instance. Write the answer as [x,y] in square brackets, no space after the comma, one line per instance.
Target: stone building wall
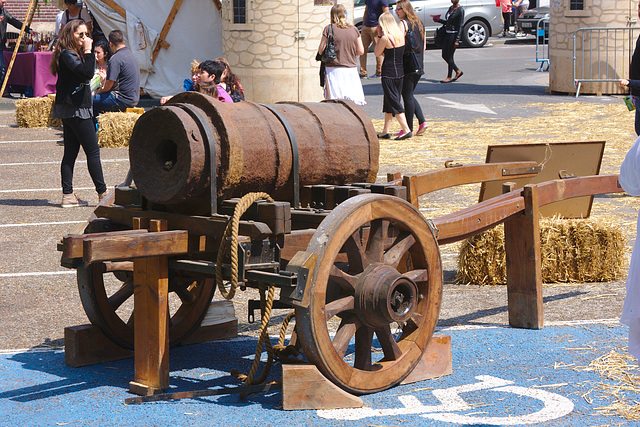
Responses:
[273,54]
[606,54]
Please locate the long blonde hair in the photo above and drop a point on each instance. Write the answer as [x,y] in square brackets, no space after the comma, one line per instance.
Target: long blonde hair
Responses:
[390,28]
[339,16]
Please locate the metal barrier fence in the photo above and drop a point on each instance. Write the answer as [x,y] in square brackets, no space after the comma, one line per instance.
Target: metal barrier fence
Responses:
[542,43]
[598,53]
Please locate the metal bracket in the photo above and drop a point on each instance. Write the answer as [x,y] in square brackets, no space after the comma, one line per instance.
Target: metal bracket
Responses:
[521,171]
[294,154]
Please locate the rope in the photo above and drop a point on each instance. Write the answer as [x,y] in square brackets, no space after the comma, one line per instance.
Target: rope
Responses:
[232,230]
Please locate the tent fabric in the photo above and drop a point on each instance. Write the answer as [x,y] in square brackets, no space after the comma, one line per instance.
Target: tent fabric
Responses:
[196,33]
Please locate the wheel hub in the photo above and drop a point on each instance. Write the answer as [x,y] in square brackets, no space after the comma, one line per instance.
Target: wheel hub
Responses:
[383,296]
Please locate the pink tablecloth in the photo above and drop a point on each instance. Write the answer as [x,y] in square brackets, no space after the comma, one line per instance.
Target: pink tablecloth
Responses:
[32,69]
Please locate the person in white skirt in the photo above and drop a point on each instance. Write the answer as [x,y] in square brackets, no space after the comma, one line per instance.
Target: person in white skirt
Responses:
[630,182]
[342,80]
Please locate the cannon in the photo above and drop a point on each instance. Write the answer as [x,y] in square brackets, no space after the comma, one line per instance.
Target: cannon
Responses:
[354,259]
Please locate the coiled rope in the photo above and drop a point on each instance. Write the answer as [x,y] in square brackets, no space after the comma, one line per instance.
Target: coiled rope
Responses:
[266,301]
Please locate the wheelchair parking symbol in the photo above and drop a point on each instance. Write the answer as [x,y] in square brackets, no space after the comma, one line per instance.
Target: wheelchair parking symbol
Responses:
[555,406]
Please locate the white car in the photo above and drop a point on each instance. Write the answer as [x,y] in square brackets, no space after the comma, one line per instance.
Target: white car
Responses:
[482,18]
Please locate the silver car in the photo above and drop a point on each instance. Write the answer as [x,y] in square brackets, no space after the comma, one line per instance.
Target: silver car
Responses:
[482,18]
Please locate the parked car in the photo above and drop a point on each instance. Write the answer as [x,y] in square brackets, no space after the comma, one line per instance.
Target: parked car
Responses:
[482,18]
[528,21]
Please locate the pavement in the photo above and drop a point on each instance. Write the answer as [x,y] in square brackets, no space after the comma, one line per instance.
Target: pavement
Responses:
[501,375]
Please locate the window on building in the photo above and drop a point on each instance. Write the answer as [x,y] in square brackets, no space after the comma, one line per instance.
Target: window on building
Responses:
[240,11]
[576,4]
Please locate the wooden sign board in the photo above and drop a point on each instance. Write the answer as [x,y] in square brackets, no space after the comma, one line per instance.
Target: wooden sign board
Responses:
[582,158]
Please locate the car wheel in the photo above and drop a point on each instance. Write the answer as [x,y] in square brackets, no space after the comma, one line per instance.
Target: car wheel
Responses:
[475,34]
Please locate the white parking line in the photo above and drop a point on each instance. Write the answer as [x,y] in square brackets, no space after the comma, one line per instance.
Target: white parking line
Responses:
[58,162]
[36,224]
[41,273]
[31,140]
[29,190]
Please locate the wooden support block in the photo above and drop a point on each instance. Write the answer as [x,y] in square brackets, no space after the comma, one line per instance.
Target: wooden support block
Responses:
[151,325]
[411,183]
[277,215]
[127,196]
[219,323]
[304,387]
[88,345]
[72,246]
[524,265]
[435,362]
[397,191]
[111,248]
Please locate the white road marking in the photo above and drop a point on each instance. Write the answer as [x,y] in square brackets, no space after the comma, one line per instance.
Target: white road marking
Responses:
[30,190]
[58,162]
[31,140]
[478,108]
[36,224]
[39,273]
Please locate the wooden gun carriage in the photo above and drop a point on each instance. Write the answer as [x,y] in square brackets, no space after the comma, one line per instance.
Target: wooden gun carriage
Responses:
[353,260]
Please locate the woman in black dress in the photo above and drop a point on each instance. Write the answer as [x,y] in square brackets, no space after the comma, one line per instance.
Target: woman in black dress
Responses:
[74,63]
[453,30]
[391,44]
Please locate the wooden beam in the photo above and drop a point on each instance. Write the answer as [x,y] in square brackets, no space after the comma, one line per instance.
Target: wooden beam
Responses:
[524,265]
[72,245]
[30,11]
[115,6]
[165,30]
[151,321]
[218,4]
[112,248]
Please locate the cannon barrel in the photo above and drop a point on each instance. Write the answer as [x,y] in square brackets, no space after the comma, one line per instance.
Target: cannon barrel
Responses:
[169,155]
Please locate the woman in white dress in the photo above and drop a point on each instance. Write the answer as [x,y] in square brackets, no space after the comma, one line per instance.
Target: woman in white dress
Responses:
[342,80]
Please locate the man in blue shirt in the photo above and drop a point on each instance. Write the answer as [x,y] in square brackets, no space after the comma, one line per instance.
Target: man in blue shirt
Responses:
[369,33]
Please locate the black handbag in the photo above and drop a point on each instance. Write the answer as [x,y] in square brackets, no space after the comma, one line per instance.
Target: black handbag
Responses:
[411,39]
[77,96]
[410,63]
[329,52]
[439,37]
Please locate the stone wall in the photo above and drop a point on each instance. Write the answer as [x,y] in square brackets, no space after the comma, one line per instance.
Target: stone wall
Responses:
[602,54]
[273,54]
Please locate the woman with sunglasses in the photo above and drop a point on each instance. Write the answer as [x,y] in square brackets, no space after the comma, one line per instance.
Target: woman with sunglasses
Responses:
[409,21]
[74,64]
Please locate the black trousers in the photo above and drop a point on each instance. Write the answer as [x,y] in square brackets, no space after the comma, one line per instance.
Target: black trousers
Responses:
[411,106]
[448,49]
[78,133]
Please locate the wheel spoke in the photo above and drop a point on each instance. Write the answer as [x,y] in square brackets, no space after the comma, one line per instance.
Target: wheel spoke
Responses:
[121,295]
[186,297]
[420,275]
[377,240]
[401,246]
[364,337]
[338,306]
[389,346]
[346,281]
[345,332]
[355,253]
[413,323]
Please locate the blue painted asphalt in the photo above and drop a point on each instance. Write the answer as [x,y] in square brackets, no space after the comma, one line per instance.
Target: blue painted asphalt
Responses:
[501,376]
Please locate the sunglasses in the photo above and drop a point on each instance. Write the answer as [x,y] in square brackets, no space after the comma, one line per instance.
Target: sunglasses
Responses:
[84,35]
[398,8]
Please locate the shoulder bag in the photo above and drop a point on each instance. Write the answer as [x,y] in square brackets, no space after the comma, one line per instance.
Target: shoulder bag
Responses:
[439,37]
[411,38]
[329,52]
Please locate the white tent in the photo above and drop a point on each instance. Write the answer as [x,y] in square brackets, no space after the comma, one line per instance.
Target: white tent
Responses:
[195,33]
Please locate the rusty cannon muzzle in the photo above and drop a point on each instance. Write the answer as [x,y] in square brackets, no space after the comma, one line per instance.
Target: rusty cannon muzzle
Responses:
[171,146]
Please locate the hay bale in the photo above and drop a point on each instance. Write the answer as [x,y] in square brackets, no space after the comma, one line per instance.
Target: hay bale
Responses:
[572,250]
[114,129]
[36,112]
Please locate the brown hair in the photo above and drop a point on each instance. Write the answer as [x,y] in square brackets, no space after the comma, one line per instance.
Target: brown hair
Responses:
[230,79]
[411,15]
[66,40]
[208,88]
[339,16]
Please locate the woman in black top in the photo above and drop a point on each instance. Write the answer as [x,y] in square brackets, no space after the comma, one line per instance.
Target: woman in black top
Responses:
[74,63]
[409,21]
[453,30]
[633,83]
[391,44]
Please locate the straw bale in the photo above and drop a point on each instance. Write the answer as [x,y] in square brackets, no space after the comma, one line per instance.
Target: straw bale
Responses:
[36,112]
[572,250]
[114,129]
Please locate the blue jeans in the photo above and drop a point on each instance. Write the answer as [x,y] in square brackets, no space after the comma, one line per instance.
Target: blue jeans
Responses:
[107,102]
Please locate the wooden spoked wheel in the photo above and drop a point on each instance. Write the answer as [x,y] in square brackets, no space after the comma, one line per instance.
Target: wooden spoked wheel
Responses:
[377,273]
[108,301]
